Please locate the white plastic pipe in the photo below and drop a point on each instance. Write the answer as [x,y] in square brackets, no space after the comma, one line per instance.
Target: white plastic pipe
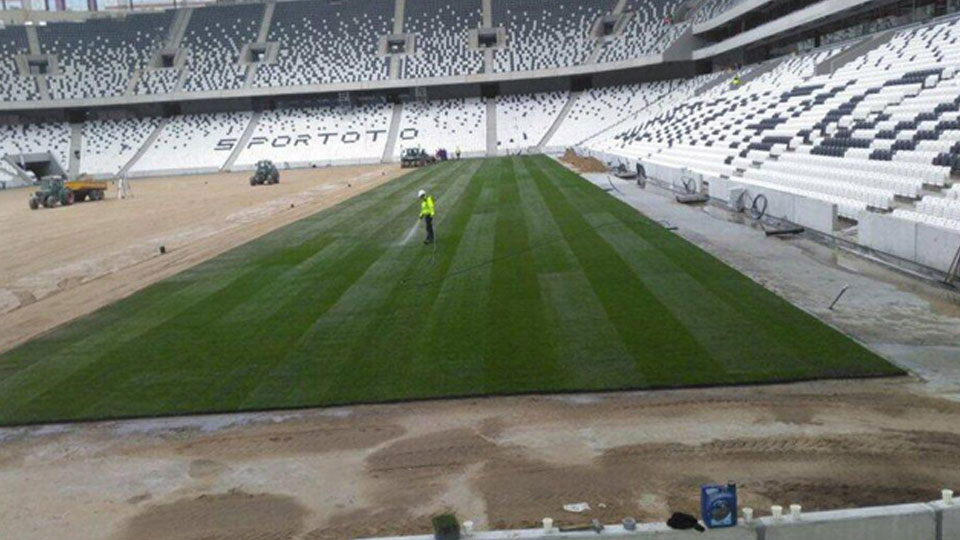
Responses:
[748,514]
[795,511]
[777,511]
[547,524]
[947,496]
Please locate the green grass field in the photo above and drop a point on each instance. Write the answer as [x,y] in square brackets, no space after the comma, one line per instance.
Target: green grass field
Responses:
[541,283]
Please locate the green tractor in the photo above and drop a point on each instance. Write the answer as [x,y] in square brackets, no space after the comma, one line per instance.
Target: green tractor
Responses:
[52,190]
[266,173]
[56,189]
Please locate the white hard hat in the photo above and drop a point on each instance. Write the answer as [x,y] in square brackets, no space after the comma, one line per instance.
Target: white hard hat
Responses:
[421,193]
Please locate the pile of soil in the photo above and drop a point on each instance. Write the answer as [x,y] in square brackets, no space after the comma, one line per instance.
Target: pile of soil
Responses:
[583,164]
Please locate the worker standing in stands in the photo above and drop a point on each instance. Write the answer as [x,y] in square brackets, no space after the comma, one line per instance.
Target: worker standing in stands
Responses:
[426,214]
[736,81]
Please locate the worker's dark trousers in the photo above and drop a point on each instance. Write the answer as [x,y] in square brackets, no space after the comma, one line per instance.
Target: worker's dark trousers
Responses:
[428,220]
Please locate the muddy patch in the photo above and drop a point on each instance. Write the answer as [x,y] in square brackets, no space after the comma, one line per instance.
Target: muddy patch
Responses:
[226,516]
[441,452]
[650,481]
[206,468]
[370,523]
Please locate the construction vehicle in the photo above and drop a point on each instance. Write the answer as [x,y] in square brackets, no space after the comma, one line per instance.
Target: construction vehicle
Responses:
[55,189]
[415,157]
[266,173]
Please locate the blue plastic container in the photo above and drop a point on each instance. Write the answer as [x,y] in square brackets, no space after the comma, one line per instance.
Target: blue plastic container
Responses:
[718,505]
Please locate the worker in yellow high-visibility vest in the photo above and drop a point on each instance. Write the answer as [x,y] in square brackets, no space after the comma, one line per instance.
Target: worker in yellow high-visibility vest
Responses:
[427,212]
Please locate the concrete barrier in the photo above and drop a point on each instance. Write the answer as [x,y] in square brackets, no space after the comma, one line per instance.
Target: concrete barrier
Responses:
[933,521]
[949,517]
[644,530]
[936,246]
[927,245]
[811,213]
[889,235]
[172,172]
[901,522]
[931,246]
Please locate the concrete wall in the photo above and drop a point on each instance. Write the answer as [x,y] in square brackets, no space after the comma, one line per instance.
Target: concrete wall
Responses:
[949,520]
[916,242]
[899,522]
[927,245]
[736,11]
[914,521]
[811,213]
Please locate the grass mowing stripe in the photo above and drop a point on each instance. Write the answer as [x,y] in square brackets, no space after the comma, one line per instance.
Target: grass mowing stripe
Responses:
[553,254]
[776,343]
[383,329]
[299,374]
[61,360]
[591,346]
[239,387]
[403,323]
[722,329]
[231,348]
[520,352]
[443,350]
[648,330]
[119,366]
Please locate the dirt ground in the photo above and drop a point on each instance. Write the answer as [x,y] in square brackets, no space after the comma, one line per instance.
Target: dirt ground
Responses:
[385,469]
[57,264]
[502,462]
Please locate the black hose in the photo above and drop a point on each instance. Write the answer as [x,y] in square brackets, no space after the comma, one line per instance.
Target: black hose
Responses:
[758,208]
[615,188]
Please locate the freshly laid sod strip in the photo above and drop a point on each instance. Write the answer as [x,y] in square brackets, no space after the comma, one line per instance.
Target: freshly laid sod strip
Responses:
[539,282]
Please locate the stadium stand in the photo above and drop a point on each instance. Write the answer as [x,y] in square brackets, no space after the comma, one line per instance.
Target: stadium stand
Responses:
[327,43]
[441,28]
[158,81]
[303,137]
[448,124]
[523,120]
[713,8]
[882,127]
[650,30]
[16,87]
[795,69]
[213,40]
[599,108]
[107,145]
[8,176]
[190,144]
[546,35]
[97,57]
[53,137]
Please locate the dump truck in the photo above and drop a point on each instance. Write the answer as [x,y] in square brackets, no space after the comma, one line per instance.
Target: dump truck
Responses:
[55,189]
[266,173]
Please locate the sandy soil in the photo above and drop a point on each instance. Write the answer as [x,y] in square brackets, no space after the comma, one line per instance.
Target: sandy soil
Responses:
[58,264]
[583,164]
[385,469]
